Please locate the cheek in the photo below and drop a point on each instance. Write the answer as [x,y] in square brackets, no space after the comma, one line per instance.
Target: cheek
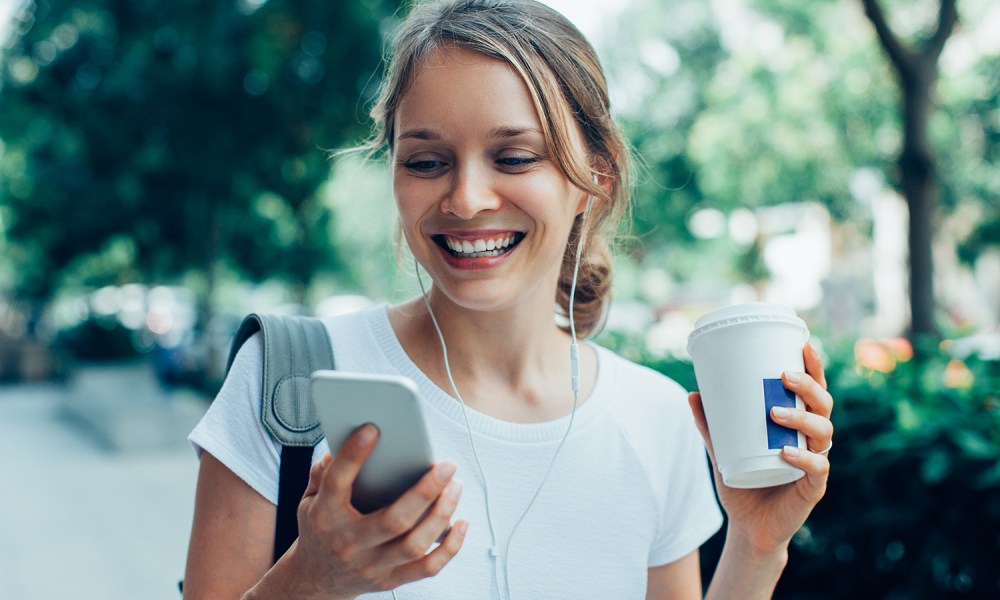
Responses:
[408,202]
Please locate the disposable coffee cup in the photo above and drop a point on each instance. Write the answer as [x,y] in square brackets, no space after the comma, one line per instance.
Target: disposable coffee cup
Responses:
[739,354]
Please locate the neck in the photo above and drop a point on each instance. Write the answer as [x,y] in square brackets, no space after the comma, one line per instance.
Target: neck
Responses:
[511,363]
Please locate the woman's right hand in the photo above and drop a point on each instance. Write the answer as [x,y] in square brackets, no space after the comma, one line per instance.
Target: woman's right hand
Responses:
[342,553]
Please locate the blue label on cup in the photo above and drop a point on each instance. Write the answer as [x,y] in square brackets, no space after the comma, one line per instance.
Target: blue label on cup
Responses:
[776,394]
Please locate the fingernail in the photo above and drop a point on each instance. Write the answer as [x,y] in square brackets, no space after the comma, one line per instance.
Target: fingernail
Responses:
[444,471]
[454,489]
[792,451]
[793,376]
[462,527]
[367,435]
[780,412]
[327,459]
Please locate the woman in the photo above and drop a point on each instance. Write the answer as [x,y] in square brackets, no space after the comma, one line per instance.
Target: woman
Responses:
[507,172]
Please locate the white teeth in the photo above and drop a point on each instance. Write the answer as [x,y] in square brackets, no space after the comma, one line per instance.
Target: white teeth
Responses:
[480,247]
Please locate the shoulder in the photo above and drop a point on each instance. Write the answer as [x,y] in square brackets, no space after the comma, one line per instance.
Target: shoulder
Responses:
[651,410]
[355,326]
[638,388]
[362,340]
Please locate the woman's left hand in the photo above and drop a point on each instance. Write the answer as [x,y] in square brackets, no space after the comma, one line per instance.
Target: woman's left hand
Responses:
[768,517]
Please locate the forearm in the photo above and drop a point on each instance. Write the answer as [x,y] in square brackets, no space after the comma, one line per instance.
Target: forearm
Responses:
[746,572]
[275,584]
[282,582]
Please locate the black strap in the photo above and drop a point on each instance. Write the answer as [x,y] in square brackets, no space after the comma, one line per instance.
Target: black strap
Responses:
[292,481]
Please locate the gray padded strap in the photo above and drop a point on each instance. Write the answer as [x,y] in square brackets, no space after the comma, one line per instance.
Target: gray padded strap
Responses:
[294,347]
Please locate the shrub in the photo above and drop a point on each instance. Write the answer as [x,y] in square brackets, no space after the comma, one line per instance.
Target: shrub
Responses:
[913,504]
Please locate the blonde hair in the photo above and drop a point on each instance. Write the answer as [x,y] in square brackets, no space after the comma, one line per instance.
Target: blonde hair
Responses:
[559,66]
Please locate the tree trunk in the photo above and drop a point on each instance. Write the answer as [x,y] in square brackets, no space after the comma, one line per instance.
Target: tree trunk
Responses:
[919,183]
[917,72]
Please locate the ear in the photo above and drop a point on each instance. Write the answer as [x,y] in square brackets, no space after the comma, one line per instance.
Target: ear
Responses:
[586,202]
[602,181]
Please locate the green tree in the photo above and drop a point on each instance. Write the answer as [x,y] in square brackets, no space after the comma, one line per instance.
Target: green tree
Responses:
[762,102]
[662,57]
[170,137]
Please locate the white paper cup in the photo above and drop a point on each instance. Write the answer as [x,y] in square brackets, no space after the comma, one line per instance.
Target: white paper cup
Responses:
[739,354]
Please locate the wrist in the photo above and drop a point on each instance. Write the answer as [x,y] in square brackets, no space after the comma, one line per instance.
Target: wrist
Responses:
[286,581]
[747,570]
[756,548]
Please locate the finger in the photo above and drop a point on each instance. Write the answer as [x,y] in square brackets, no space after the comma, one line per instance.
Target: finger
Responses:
[814,365]
[414,545]
[432,563]
[316,475]
[812,393]
[817,469]
[399,517]
[343,470]
[694,400]
[817,428]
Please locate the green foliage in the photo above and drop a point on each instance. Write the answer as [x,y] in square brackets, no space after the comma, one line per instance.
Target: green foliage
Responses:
[751,104]
[912,509]
[192,133]
[664,55]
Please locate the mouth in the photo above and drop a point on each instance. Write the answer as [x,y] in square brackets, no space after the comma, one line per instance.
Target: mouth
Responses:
[480,247]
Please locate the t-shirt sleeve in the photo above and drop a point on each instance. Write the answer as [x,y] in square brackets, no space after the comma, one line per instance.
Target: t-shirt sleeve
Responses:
[231,429]
[691,512]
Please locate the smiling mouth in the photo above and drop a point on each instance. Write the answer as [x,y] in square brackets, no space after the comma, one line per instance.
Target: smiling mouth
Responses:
[479,248]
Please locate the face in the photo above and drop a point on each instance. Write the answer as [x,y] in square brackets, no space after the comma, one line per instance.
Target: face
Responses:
[484,207]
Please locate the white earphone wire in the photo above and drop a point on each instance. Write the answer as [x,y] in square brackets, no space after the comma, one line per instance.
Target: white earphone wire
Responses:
[574,381]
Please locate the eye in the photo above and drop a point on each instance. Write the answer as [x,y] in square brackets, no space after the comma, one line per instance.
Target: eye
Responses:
[516,164]
[423,166]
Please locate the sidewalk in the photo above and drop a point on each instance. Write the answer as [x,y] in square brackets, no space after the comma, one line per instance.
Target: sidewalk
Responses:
[97,487]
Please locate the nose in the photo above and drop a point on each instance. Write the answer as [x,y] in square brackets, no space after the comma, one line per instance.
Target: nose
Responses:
[471,192]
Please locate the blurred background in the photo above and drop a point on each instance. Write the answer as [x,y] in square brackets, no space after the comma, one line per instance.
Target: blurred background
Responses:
[164,170]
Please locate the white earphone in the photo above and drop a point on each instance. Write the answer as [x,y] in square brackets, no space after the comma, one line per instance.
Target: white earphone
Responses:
[574,353]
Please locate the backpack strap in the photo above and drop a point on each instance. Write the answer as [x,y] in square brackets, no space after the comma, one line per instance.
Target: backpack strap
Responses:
[294,347]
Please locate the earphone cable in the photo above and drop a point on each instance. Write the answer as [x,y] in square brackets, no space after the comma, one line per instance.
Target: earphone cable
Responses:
[475,454]
[574,380]
[454,389]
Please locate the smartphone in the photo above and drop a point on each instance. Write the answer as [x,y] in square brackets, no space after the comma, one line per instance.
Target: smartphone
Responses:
[346,401]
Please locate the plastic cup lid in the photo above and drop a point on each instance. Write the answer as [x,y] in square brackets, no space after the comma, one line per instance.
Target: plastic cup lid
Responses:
[751,312]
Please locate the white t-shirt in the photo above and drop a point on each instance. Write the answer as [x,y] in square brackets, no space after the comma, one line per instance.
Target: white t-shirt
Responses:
[630,488]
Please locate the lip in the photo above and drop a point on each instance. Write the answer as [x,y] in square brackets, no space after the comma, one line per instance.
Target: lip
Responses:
[474,264]
[478,263]
[476,234]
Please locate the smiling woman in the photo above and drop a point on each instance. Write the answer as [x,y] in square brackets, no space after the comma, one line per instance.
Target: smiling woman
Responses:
[546,111]
[584,474]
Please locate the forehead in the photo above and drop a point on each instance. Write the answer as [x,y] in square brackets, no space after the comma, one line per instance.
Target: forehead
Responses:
[457,87]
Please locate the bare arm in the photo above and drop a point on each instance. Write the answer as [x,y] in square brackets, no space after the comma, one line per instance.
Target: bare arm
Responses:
[744,572]
[679,580]
[232,535]
[340,553]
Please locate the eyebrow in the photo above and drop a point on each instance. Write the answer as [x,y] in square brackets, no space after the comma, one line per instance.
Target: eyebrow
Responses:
[509,132]
[419,134]
[496,132]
